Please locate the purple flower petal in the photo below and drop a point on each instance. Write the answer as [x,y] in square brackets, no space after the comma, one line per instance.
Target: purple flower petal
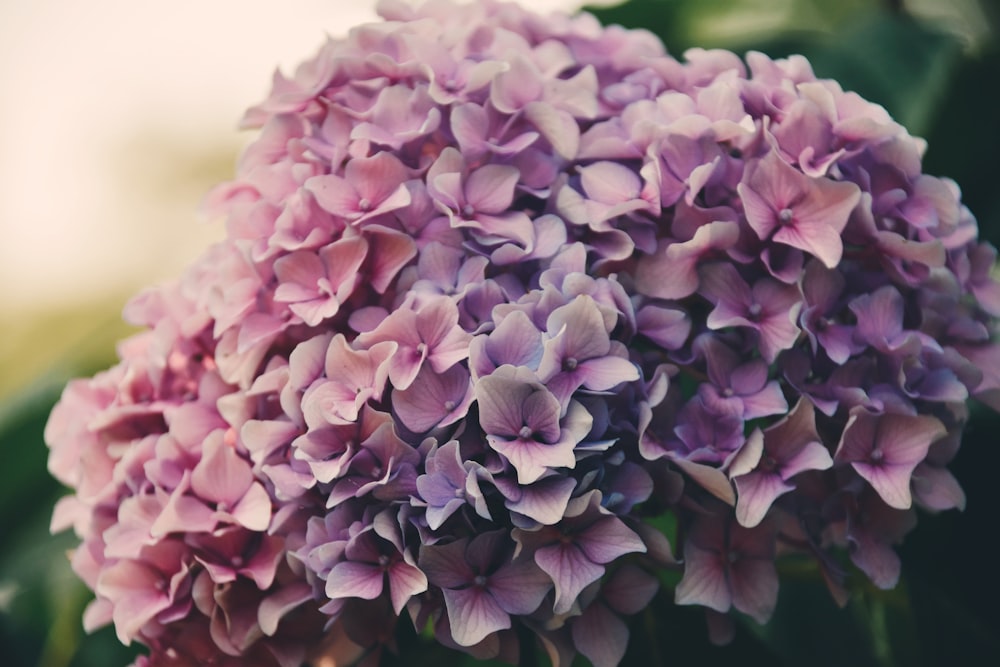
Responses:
[600,635]
[473,613]
[571,571]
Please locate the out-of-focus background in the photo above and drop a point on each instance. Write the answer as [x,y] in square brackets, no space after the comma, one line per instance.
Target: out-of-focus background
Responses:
[117,116]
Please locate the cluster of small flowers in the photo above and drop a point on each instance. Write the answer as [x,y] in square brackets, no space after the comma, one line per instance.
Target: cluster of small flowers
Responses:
[498,292]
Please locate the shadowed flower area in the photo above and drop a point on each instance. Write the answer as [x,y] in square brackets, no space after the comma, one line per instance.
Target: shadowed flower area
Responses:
[511,310]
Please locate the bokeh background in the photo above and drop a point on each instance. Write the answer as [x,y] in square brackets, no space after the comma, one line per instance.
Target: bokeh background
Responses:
[117,116]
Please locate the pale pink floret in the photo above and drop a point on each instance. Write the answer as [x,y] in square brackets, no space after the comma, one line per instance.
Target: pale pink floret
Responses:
[786,206]
[885,449]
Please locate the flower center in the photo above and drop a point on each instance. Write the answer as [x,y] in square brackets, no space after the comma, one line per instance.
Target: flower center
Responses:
[524,433]
[383,561]
[569,364]
[365,204]
[468,211]
[754,310]
[785,216]
[480,580]
[728,392]
[877,455]
[449,405]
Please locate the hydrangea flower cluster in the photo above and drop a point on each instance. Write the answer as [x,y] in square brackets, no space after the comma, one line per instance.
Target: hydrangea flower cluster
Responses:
[499,293]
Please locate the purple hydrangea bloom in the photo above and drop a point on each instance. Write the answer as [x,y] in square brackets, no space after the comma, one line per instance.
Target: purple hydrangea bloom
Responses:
[498,292]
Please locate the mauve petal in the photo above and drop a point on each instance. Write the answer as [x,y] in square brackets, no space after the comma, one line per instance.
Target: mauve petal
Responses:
[545,500]
[432,398]
[490,189]
[184,513]
[754,585]
[275,606]
[749,377]
[812,456]
[571,571]
[263,437]
[500,397]
[473,614]
[606,372]
[405,581]
[748,456]
[341,260]
[936,488]
[445,564]
[580,328]
[829,203]
[879,315]
[307,361]
[630,589]
[607,539]
[133,612]
[768,401]
[722,285]
[437,514]
[253,511]
[349,579]
[98,613]
[711,479]
[610,182]
[334,194]
[540,412]
[390,251]
[263,565]
[315,311]
[761,216]
[777,334]
[329,403]
[776,182]
[880,562]
[704,581]
[446,460]
[558,127]
[533,459]
[515,341]
[857,439]
[892,482]
[755,493]
[819,239]
[514,88]
[600,635]
[667,327]
[377,177]
[785,438]
[469,123]
[671,273]
[299,271]
[905,439]
[221,475]
[437,489]
[519,587]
